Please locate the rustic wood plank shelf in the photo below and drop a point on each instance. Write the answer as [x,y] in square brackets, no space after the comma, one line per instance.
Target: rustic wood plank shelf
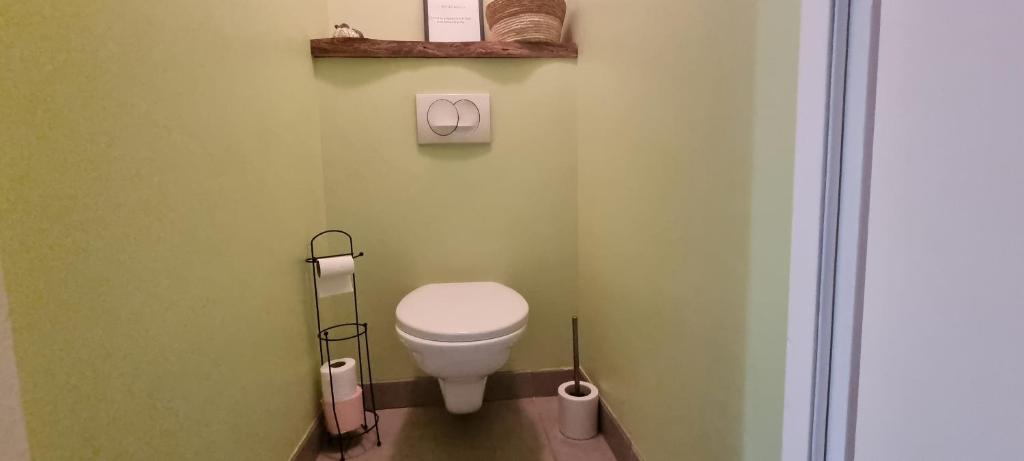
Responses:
[370,48]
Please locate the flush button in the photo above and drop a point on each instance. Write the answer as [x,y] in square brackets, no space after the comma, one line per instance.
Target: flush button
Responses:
[469,115]
[453,118]
[443,117]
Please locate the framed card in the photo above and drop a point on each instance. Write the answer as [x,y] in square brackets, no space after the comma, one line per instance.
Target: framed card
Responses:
[453,20]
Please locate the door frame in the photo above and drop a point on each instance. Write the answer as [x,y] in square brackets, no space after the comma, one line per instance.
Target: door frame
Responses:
[835,119]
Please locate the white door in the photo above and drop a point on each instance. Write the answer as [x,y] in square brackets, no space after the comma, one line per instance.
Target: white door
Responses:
[941,364]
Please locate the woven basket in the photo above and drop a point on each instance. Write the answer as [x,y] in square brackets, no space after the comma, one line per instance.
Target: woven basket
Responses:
[526,20]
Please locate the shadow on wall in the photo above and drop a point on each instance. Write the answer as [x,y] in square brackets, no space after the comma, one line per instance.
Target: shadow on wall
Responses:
[454,152]
[357,72]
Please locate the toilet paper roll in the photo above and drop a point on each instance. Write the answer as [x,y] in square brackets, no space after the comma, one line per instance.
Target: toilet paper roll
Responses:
[349,413]
[334,275]
[577,416]
[344,373]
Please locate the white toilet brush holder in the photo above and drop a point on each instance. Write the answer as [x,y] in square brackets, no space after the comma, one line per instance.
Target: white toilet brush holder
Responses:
[577,411]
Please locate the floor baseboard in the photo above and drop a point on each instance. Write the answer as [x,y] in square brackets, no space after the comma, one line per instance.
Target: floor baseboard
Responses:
[309,446]
[614,434]
[617,438]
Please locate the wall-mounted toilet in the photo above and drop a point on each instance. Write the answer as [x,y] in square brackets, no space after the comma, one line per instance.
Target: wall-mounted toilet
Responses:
[460,333]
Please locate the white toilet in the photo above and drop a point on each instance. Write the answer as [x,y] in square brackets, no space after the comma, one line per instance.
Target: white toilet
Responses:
[461,333]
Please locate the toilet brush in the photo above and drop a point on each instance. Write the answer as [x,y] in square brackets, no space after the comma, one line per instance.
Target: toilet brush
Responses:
[577,400]
[576,357]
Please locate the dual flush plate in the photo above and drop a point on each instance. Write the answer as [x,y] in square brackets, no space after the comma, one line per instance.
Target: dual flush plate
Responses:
[453,118]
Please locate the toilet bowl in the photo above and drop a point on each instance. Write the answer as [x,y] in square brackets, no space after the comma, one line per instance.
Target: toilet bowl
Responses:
[461,333]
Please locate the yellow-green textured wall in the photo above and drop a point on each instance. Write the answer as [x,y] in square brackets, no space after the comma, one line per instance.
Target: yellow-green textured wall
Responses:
[504,211]
[685,127]
[159,174]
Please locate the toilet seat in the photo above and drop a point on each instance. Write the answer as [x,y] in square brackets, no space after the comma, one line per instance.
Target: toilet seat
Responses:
[462,312]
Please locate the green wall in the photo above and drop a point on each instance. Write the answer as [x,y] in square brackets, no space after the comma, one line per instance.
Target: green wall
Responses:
[663,158]
[685,145]
[159,175]
[504,211]
[191,147]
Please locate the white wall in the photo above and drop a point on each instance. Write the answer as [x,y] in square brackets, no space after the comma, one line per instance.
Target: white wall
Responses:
[13,440]
[942,372]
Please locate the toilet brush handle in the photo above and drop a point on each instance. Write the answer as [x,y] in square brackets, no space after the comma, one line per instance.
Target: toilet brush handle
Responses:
[575,355]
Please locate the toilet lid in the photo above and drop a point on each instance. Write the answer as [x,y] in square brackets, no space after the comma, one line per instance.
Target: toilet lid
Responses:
[458,312]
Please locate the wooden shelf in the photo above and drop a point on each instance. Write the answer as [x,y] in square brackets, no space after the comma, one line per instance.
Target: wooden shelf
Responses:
[369,48]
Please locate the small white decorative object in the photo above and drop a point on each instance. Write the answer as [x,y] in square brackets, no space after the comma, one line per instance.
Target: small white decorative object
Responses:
[344,31]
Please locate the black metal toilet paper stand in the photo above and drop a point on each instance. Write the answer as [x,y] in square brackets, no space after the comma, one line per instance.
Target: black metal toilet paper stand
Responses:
[346,332]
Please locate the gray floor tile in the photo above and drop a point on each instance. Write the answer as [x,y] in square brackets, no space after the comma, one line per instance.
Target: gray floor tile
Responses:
[511,430]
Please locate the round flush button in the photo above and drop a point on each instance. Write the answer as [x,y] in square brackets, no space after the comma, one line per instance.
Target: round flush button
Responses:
[443,117]
[469,115]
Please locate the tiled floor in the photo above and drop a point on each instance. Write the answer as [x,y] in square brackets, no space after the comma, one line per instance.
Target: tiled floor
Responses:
[506,430]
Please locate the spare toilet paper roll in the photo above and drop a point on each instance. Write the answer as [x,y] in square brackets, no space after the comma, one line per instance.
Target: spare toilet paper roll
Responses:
[349,413]
[343,372]
[334,275]
[577,416]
